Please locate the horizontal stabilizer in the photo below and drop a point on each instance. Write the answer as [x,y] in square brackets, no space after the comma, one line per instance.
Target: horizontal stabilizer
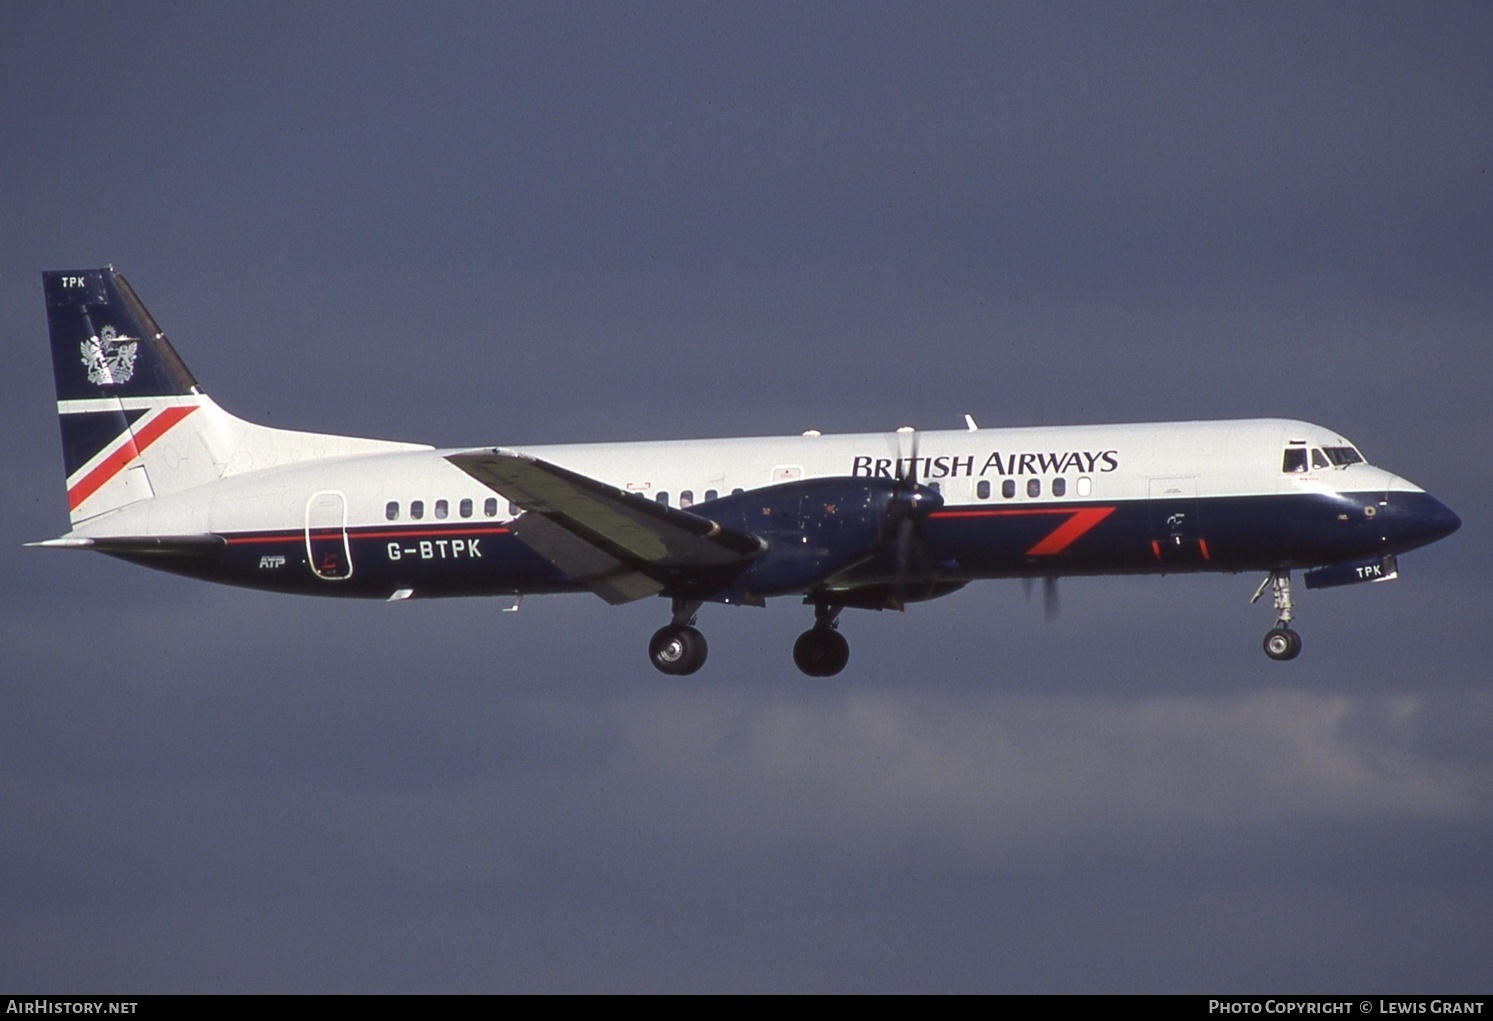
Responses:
[140,545]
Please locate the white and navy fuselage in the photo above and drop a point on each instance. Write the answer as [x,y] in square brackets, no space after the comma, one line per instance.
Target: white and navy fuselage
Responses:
[159,474]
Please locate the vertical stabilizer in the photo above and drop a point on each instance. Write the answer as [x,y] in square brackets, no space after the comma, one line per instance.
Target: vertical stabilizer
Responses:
[104,343]
[135,425]
[121,388]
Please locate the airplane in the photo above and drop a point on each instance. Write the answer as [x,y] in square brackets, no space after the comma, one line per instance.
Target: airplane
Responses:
[159,475]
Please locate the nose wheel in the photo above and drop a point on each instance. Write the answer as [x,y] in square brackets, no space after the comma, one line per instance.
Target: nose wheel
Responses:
[1281,643]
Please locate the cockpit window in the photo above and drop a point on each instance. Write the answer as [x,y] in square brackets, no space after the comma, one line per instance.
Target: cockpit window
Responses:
[1295,460]
[1319,459]
[1341,456]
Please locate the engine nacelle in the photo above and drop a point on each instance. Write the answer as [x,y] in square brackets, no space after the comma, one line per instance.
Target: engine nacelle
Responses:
[815,528]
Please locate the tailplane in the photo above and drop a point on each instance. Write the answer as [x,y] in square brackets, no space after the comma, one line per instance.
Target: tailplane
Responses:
[135,424]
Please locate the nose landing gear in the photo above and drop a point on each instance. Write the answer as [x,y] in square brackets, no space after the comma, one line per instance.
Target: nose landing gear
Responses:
[1281,643]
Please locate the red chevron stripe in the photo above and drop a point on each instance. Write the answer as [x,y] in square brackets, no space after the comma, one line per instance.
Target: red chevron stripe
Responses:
[134,445]
[1080,520]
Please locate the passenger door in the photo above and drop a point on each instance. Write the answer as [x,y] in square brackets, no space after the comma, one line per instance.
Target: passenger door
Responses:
[327,548]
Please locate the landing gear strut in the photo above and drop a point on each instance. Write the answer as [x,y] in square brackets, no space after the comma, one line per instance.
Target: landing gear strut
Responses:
[677,647]
[822,651]
[1281,643]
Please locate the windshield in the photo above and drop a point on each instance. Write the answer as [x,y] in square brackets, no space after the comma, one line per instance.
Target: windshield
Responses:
[1341,456]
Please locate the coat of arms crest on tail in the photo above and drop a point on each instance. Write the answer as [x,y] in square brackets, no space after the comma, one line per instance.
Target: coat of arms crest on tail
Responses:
[109,358]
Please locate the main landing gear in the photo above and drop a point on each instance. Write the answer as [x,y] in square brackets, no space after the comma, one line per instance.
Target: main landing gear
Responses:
[678,648]
[822,651]
[1281,643]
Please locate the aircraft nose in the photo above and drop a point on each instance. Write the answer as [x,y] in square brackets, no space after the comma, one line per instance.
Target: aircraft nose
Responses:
[1440,520]
[1418,519]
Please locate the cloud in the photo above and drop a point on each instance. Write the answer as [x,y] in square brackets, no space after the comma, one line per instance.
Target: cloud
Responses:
[1017,780]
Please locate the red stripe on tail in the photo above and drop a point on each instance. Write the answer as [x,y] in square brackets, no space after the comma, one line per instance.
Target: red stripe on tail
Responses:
[134,446]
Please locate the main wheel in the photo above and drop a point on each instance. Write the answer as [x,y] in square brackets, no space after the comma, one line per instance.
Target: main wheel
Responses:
[821,652]
[677,650]
[1282,643]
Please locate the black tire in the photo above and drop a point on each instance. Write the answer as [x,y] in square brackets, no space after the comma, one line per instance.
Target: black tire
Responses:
[677,650]
[1282,643]
[821,652]
[836,653]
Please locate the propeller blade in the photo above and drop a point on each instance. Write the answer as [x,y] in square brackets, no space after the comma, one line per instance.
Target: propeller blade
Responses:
[905,529]
[1051,605]
[910,503]
[907,467]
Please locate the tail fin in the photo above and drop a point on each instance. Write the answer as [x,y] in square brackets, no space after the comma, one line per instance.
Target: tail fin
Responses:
[135,424]
[105,344]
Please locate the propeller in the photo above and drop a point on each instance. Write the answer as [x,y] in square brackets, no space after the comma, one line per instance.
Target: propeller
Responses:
[908,505]
[1051,605]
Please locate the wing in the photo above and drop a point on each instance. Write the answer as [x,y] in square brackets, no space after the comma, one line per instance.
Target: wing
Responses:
[618,545]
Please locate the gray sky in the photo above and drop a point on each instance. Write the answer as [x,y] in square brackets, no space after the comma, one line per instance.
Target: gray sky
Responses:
[484,223]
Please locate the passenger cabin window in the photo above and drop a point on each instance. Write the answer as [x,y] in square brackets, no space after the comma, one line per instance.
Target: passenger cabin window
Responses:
[417,509]
[466,508]
[490,507]
[512,509]
[662,497]
[1085,485]
[1008,488]
[1295,460]
[710,494]
[1034,487]
[737,491]
[1059,487]
[687,498]
[982,490]
[391,510]
[441,509]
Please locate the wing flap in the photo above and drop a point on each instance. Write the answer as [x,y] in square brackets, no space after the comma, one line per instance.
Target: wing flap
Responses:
[597,570]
